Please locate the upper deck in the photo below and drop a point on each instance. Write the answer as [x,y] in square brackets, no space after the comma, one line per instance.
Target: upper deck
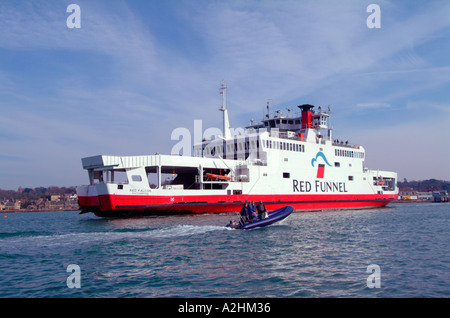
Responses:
[292,132]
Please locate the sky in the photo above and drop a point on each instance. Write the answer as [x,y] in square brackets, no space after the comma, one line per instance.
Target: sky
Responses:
[136,70]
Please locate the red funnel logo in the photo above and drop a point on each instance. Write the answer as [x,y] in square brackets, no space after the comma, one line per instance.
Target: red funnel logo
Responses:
[320,171]
[320,167]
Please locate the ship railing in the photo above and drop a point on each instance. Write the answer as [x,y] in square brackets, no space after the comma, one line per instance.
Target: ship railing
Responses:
[115,182]
[345,144]
[290,135]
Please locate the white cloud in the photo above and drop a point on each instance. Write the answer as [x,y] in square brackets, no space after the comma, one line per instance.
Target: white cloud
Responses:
[429,106]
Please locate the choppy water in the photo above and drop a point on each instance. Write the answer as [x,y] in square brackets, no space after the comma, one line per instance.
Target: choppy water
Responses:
[309,255]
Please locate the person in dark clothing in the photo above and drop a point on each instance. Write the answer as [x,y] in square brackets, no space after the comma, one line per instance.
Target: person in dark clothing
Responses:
[244,213]
[262,211]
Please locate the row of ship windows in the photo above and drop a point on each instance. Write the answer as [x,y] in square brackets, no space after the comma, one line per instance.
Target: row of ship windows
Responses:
[252,144]
[233,147]
[283,121]
[281,145]
[349,153]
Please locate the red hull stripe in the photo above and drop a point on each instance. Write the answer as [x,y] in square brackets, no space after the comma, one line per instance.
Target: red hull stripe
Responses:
[225,203]
[152,206]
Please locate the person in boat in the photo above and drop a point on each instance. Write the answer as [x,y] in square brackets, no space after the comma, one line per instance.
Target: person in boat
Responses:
[262,211]
[252,212]
[244,213]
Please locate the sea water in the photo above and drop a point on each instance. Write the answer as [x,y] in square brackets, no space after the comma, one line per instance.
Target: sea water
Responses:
[402,250]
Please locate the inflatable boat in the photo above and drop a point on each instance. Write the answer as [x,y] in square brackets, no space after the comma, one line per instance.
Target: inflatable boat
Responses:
[273,217]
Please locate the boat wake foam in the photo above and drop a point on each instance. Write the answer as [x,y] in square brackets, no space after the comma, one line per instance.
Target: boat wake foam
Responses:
[110,236]
[183,230]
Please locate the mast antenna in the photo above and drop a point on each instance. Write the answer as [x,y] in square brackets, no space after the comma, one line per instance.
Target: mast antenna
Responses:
[268,107]
[226,122]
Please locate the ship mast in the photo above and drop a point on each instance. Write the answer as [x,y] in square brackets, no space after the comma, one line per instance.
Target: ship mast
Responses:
[330,128]
[268,108]
[226,122]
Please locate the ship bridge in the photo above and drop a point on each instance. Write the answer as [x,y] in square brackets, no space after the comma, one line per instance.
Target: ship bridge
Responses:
[305,125]
[293,121]
[289,122]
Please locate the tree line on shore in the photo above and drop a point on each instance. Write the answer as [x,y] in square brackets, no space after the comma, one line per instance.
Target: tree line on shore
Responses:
[35,193]
[425,185]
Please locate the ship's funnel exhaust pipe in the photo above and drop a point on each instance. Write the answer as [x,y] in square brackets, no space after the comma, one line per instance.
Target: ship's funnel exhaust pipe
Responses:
[307,116]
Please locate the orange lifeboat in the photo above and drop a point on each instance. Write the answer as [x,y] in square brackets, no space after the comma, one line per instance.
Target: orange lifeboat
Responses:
[217,177]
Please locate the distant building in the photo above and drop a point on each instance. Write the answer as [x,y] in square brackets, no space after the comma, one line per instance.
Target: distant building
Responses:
[407,194]
[425,196]
[41,204]
[441,196]
[55,197]
[12,206]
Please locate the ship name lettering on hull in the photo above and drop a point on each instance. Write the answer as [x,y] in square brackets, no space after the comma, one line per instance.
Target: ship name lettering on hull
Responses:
[319,186]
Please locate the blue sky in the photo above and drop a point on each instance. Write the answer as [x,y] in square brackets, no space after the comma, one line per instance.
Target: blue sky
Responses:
[136,70]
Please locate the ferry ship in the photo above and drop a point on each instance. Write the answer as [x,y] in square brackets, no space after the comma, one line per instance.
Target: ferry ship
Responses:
[286,159]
